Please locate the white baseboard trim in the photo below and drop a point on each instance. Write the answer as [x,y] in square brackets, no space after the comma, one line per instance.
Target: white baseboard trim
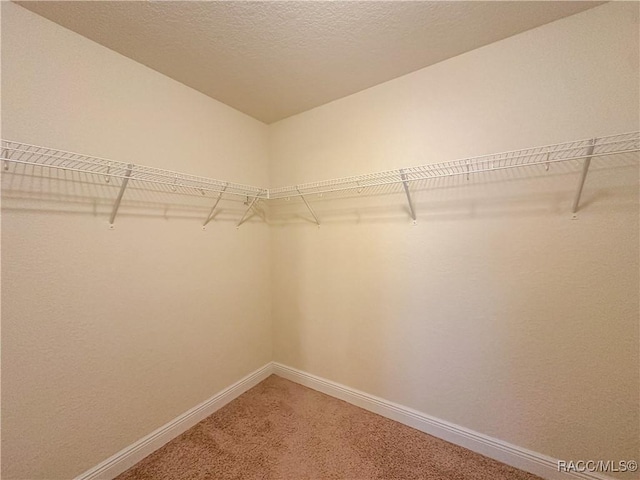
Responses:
[129,456]
[518,457]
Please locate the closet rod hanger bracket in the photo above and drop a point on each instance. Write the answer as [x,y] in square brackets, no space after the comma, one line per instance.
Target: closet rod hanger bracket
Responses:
[251,204]
[405,184]
[309,207]
[116,204]
[583,177]
[210,216]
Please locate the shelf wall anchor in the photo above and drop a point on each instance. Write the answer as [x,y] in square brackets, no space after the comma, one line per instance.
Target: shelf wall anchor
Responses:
[405,184]
[123,187]
[210,216]
[253,202]
[583,177]
[309,207]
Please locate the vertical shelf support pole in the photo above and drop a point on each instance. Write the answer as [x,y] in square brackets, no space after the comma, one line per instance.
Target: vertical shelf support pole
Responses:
[210,216]
[255,199]
[309,207]
[583,177]
[405,184]
[123,187]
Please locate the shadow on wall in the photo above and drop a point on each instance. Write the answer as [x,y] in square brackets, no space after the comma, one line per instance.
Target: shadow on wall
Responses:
[46,190]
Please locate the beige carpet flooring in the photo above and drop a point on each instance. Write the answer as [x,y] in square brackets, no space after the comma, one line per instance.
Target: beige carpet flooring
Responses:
[282,430]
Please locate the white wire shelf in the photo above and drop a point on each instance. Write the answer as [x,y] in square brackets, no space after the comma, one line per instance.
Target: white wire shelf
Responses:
[33,158]
[545,155]
[37,156]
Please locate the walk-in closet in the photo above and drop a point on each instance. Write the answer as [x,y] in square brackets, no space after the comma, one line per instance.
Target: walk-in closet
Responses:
[320,240]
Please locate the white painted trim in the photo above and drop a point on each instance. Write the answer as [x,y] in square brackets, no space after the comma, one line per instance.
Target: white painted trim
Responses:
[129,456]
[518,457]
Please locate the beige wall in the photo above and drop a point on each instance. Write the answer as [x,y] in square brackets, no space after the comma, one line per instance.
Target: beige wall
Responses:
[107,335]
[497,312]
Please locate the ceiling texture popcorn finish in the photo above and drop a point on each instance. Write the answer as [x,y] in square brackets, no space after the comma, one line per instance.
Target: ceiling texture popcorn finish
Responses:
[272,60]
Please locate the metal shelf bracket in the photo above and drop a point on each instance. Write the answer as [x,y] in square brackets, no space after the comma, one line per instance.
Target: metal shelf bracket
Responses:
[583,177]
[210,216]
[405,184]
[123,187]
[253,202]
[309,208]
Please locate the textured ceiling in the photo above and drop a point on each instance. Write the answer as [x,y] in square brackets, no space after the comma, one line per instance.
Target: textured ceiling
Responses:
[275,59]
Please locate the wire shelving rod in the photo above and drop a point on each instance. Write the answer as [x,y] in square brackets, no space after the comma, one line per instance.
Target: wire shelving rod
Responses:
[38,157]
[544,155]
[43,157]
